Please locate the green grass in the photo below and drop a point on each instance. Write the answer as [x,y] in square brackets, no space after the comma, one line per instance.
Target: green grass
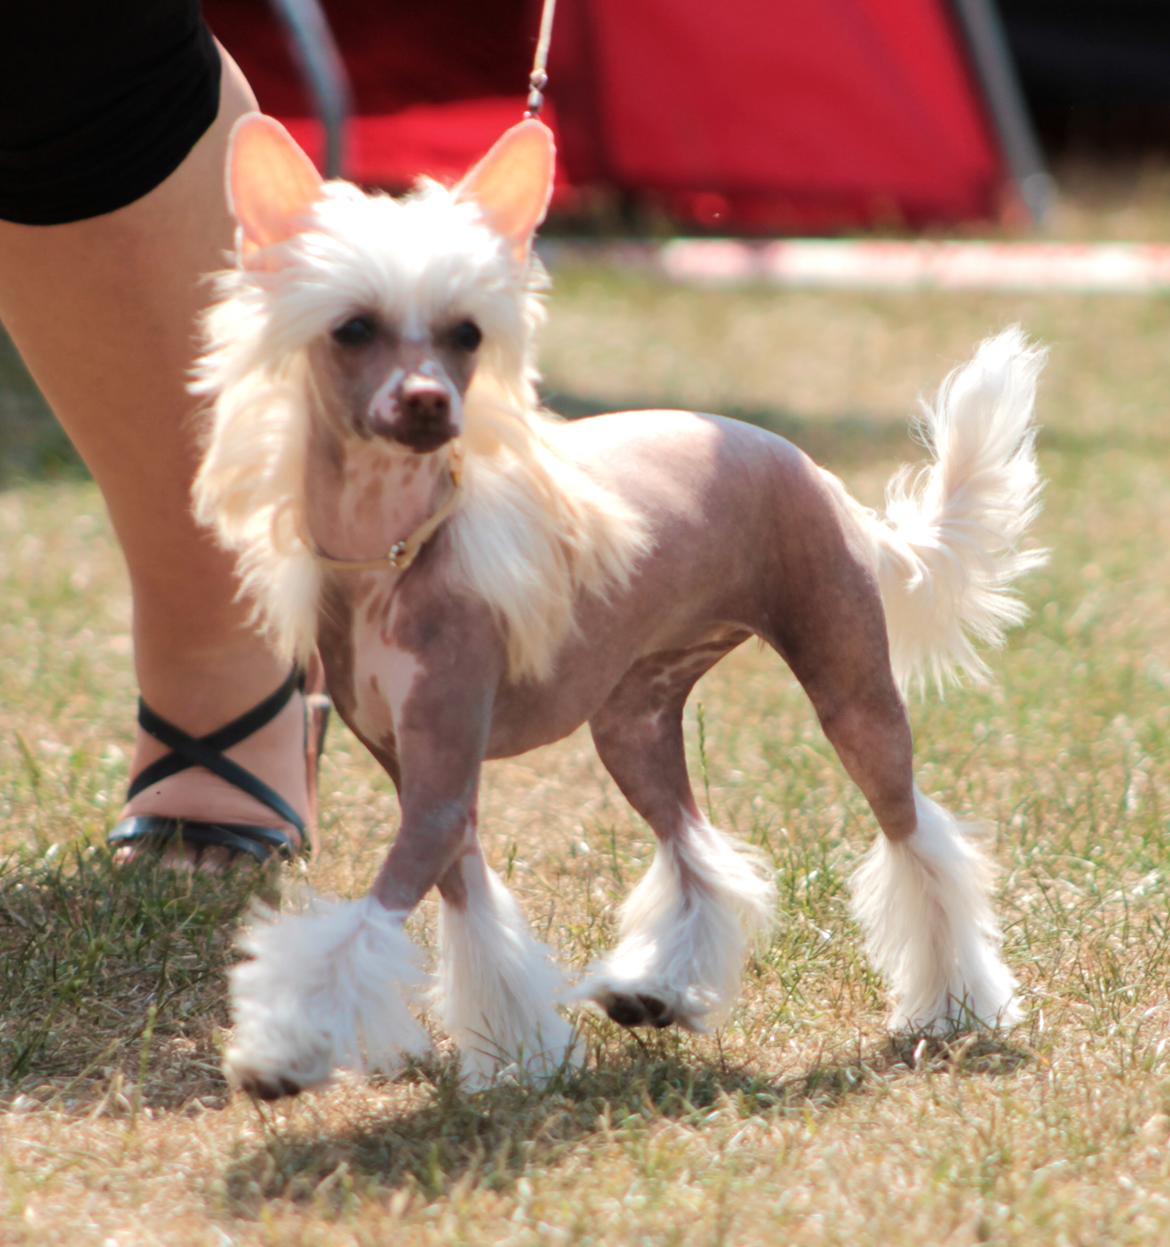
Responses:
[799,1123]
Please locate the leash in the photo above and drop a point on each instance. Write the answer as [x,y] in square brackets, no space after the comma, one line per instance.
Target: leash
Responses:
[538,79]
[402,553]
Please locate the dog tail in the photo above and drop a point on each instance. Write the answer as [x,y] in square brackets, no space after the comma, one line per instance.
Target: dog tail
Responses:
[948,550]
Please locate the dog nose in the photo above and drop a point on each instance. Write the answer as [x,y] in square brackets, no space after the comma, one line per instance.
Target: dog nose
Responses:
[425,404]
[427,413]
[419,411]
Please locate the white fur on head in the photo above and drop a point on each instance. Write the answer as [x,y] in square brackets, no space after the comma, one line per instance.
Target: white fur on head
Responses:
[924,906]
[533,529]
[322,990]
[687,927]
[498,987]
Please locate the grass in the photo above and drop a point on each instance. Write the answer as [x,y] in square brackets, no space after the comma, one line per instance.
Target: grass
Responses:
[799,1123]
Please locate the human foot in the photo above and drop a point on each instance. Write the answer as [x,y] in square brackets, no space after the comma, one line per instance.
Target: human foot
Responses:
[246,791]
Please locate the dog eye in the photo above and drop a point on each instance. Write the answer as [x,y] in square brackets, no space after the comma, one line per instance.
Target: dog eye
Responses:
[466,336]
[357,331]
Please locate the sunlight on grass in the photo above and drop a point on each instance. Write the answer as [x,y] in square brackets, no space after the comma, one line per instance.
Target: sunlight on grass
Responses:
[800,1122]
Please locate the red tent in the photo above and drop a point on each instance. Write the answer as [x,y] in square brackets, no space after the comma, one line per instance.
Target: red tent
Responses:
[775,115]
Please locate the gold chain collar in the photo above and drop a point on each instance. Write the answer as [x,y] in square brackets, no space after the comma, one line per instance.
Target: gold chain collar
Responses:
[403,553]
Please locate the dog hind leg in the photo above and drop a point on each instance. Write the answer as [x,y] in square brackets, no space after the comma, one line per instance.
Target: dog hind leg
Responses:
[922,894]
[923,903]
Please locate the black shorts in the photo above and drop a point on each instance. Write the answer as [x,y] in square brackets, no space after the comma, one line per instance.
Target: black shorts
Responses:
[99,103]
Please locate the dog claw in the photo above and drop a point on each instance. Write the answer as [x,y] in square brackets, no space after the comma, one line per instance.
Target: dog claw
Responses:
[623,1010]
[274,1088]
[657,1013]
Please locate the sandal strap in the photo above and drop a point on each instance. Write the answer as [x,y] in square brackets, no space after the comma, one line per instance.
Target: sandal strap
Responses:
[262,843]
[207,751]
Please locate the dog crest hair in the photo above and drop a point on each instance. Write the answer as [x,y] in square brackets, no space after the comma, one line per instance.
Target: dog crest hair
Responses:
[532,530]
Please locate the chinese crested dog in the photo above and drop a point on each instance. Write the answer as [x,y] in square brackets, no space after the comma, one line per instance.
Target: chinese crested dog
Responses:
[481,578]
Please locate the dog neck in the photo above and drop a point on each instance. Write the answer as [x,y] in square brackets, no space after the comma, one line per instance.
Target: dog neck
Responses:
[370,506]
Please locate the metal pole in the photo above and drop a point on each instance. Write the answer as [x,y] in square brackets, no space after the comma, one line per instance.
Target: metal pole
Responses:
[323,71]
[1009,114]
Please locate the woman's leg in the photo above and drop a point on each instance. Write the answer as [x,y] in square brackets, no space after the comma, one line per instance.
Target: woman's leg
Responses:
[104,312]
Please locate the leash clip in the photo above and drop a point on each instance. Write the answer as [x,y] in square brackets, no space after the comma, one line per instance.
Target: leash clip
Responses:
[536,85]
[538,79]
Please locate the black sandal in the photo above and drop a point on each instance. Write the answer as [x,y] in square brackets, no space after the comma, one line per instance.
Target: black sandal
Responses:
[263,843]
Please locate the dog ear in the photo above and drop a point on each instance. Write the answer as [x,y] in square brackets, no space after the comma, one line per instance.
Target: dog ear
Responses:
[271,184]
[513,183]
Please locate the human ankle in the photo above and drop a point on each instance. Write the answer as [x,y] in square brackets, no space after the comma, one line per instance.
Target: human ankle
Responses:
[200,688]
[274,753]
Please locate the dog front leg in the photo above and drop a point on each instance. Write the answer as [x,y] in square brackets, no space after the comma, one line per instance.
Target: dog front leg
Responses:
[497,986]
[327,983]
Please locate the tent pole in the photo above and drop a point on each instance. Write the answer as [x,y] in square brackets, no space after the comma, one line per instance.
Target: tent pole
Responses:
[323,71]
[1009,114]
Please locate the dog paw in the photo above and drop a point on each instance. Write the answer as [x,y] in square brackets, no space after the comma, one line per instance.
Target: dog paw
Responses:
[263,1077]
[637,1009]
[266,1086]
[265,1071]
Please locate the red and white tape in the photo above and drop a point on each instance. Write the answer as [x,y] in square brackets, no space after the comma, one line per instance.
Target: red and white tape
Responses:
[852,264]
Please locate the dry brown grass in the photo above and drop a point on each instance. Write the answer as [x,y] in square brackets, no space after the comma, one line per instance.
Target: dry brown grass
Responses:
[800,1123]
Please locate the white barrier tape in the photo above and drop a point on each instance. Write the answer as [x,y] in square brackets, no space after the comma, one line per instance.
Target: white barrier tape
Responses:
[851,264]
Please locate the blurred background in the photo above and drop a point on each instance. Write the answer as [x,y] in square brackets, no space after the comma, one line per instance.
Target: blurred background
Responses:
[748,143]
[747,116]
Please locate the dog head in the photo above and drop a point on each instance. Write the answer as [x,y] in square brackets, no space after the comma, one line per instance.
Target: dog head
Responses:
[396,305]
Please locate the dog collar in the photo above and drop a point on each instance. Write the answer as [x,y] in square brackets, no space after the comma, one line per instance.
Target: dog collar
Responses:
[402,553]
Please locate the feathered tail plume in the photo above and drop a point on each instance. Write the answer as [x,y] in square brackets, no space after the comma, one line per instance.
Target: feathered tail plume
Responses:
[948,552]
